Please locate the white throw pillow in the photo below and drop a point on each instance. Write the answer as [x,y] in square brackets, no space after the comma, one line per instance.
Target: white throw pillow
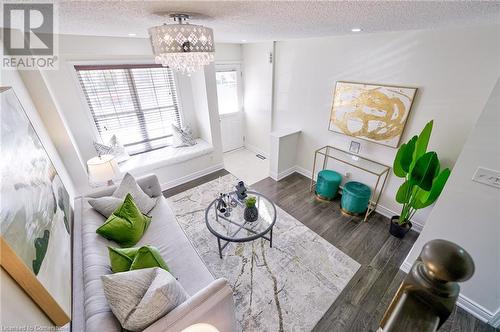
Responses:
[108,204]
[182,137]
[113,147]
[140,297]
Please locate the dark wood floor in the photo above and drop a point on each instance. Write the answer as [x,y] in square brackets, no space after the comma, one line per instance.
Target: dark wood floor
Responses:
[362,303]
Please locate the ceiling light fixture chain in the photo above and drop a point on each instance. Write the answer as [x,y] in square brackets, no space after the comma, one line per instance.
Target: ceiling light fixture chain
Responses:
[182,46]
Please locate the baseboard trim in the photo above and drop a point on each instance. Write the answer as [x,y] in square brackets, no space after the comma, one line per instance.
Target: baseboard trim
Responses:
[467,304]
[191,176]
[282,175]
[256,150]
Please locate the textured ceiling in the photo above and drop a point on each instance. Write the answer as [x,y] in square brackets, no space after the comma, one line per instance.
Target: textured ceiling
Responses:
[234,21]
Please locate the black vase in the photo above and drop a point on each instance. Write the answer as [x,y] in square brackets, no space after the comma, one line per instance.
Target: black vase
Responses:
[398,230]
[251,214]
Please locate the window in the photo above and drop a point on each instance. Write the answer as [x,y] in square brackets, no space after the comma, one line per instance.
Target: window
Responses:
[227,91]
[137,103]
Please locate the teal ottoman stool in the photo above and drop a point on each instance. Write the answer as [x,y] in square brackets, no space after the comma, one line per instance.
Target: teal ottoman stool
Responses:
[327,184]
[355,198]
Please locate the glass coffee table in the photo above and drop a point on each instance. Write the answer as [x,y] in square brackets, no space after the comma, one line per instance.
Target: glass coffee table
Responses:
[232,227]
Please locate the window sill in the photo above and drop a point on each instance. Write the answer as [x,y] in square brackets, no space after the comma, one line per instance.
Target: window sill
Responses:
[166,156]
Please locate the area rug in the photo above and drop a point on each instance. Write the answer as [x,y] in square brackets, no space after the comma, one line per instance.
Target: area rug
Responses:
[288,287]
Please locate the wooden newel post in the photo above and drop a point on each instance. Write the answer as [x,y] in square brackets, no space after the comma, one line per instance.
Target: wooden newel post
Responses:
[426,297]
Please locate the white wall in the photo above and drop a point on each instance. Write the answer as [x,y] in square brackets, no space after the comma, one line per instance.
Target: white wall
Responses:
[468,213]
[226,52]
[67,98]
[454,70]
[258,87]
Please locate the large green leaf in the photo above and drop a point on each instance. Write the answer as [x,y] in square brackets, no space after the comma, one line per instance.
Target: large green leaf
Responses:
[422,142]
[426,198]
[404,158]
[425,170]
[403,192]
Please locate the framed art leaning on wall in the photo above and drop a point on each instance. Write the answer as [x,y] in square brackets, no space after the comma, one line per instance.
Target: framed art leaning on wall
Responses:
[376,113]
[35,215]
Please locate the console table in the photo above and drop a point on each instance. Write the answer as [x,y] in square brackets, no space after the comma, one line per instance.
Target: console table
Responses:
[369,166]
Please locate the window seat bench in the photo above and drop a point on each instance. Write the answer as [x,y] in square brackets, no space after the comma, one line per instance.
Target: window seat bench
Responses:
[168,155]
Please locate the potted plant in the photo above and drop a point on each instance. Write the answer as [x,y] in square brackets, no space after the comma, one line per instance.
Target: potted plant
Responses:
[424,179]
[251,212]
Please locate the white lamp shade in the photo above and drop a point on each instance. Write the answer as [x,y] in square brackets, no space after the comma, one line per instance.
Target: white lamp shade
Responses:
[201,327]
[102,169]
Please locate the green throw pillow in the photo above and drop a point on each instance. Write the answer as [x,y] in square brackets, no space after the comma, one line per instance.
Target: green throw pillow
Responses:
[146,257]
[121,258]
[126,225]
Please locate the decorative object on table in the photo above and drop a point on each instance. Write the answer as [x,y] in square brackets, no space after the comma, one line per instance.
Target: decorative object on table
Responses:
[373,112]
[372,167]
[294,262]
[140,297]
[182,136]
[251,213]
[424,179]
[35,215]
[327,184]
[221,204]
[241,190]
[354,147]
[355,198]
[102,170]
[182,46]
[113,147]
[234,202]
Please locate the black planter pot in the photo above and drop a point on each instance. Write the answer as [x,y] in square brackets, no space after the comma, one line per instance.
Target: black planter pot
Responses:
[398,230]
[251,214]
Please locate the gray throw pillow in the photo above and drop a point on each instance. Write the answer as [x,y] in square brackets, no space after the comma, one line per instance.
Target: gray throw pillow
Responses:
[108,204]
[140,297]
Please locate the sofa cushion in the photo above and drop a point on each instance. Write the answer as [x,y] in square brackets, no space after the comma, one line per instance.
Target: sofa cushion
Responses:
[106,205]
[138,298]
[121,259]
[130,186]
[126,225]
[147,257]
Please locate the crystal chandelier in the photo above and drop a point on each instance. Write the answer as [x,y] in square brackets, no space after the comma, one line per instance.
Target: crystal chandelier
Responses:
[182,46]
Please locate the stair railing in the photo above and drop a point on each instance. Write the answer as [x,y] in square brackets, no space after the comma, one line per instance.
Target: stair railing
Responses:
[426,297]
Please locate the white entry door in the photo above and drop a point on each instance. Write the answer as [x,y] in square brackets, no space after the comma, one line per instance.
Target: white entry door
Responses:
[229,97]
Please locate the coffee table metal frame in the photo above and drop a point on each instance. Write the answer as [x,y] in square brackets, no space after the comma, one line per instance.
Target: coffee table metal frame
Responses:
[241,226]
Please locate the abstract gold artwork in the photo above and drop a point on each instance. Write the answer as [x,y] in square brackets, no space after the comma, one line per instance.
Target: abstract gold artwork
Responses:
[376,113]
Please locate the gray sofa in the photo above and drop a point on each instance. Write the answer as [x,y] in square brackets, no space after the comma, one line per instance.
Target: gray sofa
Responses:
[211,301]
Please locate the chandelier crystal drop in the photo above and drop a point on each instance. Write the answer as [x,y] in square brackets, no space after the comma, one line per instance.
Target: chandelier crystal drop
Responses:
[182,46]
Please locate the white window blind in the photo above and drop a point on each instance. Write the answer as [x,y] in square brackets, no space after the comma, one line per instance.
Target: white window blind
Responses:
[137,103]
